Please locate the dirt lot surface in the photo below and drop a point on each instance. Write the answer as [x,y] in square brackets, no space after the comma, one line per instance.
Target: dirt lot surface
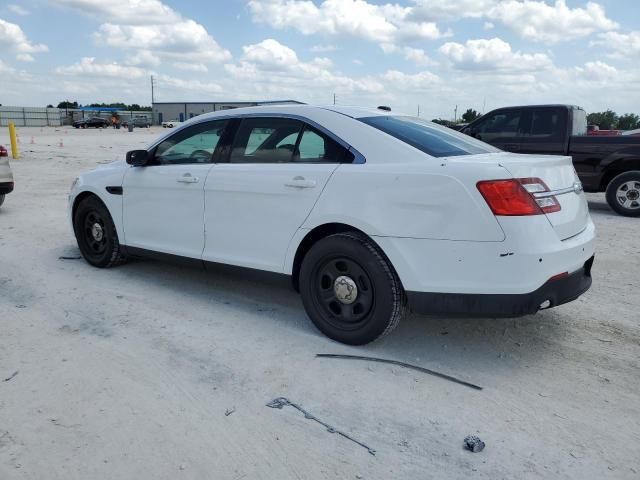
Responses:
[127,373]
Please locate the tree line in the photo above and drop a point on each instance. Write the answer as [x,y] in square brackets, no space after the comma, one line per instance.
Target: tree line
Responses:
[610,120]
[118,105]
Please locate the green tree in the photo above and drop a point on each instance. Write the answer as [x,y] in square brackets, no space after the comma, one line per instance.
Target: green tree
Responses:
[470,115]
[628,121]
[68,104]
[605,120]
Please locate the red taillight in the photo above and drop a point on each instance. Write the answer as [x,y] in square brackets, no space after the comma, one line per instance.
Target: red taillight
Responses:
[3,152]
[558,276]
[515,197]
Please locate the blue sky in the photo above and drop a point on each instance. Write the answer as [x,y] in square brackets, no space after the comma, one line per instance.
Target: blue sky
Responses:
[433,53]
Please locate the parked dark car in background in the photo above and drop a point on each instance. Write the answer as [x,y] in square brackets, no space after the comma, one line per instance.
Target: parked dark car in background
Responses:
[93,122]
[608,164]
[140,122]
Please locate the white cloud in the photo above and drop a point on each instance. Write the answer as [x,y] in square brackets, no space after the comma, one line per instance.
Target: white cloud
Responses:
[536,20]
[323,48]
[451,9]
[183,40]
[87,66]
[273,67]
[25,57]
[417,56]
[143,58]
[492,54]
[191,67]
[417,82]
[488,26]
[388,23]
[620,45]
[6,69]
[153,29]
[18,10]
[540,22]
[126,12]
[12,38]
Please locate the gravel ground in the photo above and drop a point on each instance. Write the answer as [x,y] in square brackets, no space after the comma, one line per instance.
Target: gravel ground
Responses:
[127,373]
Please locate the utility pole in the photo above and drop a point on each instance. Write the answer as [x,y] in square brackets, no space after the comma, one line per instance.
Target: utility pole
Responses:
[455,114]
[152,85]
[418,110]
[334,98]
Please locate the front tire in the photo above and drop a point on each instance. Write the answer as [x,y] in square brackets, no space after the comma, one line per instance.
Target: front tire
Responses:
[350,290]
[623,194]
[96,234]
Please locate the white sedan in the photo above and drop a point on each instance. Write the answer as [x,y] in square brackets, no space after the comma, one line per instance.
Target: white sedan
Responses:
[171,123]
[368,212]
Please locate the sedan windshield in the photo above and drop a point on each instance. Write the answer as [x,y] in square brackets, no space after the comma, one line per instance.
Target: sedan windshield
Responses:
[432,139]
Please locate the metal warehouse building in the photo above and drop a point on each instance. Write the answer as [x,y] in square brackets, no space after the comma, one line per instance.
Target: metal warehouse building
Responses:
[165,111]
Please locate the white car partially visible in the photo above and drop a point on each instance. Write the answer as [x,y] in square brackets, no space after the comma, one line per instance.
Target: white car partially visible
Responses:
[6,175]
[368,212]
[171,123]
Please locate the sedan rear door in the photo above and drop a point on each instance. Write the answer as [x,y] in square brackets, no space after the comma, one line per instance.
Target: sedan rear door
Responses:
[256,201]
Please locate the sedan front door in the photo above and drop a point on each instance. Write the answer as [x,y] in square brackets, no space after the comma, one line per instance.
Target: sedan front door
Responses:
[256,202]
[163,203]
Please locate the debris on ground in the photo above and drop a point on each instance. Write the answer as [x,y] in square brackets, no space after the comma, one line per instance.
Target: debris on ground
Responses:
[473,443]
[281,402]
[69,258]
[401,364]
[11,376]
[229,411]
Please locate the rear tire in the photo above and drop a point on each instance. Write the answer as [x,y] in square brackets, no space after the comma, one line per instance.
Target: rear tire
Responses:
[350,290]
[96,234]
[623,194]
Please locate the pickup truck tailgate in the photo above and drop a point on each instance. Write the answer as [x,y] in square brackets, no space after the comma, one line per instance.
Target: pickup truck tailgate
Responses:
[562,181]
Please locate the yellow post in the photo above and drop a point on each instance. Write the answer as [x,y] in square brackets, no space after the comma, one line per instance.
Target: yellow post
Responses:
[14,143]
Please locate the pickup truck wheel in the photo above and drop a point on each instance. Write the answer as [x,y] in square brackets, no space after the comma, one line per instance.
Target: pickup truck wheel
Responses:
[623,194]
[350,290]
[96,234]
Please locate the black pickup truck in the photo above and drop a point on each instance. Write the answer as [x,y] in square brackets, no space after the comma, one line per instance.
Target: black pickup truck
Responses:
[604,164]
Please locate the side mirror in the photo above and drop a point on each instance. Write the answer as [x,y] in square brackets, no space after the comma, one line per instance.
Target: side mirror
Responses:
[137,158]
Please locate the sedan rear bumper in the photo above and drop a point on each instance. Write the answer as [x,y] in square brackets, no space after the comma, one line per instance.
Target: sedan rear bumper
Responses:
[555,292]
[6,187]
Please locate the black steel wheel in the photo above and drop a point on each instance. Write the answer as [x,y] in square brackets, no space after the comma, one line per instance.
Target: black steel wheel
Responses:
[623,194]
[350,290]
[96,234]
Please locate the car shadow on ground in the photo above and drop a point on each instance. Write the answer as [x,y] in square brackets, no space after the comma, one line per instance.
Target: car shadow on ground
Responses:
[600,207]
[475,349]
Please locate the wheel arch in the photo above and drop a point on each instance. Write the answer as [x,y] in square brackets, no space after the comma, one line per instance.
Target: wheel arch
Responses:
[618,167]
[315,235]
[79,198]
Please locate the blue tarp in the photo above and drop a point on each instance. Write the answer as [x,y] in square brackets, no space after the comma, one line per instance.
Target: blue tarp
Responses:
[99,109]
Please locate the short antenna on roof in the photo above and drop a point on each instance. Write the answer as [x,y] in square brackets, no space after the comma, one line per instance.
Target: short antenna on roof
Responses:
[384,107]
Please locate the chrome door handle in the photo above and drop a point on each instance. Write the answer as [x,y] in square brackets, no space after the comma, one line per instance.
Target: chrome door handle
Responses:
[187,178]
[300,182]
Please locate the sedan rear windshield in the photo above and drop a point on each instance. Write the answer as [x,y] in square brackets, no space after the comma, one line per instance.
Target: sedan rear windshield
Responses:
[432,139]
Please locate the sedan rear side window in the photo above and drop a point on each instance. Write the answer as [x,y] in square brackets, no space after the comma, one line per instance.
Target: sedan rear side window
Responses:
[428,137]
[283,140]
[265,140]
